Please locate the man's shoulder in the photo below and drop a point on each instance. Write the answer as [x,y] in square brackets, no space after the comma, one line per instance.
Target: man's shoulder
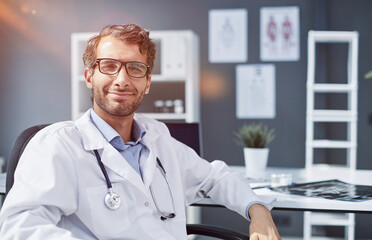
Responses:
[57,128]
[55,134]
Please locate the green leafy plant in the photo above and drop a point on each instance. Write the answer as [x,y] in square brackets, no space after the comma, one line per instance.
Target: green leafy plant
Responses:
[255,135]
[368,75]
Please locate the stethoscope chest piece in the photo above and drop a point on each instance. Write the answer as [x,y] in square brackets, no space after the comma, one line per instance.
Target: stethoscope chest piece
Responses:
[112,200]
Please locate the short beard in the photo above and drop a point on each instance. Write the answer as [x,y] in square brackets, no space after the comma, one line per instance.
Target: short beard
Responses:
[117,109]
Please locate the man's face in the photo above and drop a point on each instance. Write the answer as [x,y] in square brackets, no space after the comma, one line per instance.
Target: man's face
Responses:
[117,95]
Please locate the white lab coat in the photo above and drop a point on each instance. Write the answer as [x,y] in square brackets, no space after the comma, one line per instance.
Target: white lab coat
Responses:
[59,188]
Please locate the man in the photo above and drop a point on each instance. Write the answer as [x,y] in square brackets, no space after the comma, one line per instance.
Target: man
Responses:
[114,174]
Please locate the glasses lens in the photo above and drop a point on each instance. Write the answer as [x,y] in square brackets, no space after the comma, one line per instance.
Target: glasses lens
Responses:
[109,66]
[136,69]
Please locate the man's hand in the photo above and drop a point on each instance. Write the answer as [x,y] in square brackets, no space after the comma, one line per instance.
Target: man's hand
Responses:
[262,226]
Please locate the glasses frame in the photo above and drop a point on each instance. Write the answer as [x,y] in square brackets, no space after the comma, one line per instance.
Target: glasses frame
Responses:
[98,60]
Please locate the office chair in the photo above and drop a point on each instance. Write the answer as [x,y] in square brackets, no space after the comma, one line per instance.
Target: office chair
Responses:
[192,229]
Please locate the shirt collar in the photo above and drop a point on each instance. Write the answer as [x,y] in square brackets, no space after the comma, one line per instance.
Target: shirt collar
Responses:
[112,136]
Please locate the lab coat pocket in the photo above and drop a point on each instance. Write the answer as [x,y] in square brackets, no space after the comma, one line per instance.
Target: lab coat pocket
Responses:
[107,223]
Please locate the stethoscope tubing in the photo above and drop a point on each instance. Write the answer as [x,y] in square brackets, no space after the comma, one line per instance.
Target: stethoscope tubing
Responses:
[113,206]
[164,173]
[103,169]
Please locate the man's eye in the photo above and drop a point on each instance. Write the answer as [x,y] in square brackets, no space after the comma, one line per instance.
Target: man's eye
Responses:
[109,66]
[135,69]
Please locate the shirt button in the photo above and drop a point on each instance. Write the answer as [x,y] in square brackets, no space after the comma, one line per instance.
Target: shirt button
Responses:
[146,204]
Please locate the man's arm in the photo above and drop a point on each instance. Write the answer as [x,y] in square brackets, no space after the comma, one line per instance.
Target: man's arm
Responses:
[262,225]
[33,224]
[227,188]
[43,191]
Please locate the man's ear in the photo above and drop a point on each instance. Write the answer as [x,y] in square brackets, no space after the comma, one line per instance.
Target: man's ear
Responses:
[88,74]
[147,90]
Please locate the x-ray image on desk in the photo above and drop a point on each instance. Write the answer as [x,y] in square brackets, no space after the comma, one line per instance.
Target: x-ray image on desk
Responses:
[330,189]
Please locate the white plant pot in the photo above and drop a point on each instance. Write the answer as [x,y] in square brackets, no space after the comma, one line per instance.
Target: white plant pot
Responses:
[255,159]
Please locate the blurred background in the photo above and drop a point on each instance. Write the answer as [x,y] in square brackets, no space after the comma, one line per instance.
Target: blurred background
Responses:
[35,77]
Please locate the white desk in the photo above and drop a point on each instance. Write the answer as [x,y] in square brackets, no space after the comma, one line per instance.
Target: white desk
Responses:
[293,202]
[301,203]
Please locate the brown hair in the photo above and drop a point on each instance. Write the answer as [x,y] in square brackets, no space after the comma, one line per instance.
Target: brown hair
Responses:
[130,33]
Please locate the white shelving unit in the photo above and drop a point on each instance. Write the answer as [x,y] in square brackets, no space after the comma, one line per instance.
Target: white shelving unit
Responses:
[176,63]
[348,116]
[80,94]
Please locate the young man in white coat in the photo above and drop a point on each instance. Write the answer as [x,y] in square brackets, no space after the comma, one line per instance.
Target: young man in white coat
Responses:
[114,174]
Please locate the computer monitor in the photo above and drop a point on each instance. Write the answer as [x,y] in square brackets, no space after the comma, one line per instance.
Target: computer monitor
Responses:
[187,133]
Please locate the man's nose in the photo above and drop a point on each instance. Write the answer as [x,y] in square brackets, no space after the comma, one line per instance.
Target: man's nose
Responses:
[122,76]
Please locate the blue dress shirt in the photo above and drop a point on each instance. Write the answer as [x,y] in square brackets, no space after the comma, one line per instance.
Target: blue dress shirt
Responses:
[132,151]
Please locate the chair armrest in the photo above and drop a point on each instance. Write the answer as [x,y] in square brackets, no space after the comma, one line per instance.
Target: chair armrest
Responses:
[214,231]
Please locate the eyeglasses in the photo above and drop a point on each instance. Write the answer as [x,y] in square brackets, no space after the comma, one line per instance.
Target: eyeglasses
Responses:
[110,66]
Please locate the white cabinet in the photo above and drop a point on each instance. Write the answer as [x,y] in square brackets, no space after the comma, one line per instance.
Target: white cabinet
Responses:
[175,75]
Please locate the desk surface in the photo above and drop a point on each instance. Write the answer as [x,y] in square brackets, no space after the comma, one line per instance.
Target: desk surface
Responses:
[300,175]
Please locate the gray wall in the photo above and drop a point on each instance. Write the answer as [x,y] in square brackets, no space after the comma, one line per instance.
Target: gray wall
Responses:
[35,74]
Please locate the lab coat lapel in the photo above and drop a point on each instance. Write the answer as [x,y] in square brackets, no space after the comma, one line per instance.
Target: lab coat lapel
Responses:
[91,136]
[148,168]
[149,165]
[112,159]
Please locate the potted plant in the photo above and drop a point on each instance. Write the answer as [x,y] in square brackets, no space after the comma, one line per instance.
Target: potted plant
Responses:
[254,138]
[368,75]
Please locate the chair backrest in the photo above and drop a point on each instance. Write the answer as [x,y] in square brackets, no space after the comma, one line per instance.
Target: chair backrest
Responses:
[17,150]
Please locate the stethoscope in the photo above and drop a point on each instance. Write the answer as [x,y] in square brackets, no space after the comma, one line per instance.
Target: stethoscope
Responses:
[112,199]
